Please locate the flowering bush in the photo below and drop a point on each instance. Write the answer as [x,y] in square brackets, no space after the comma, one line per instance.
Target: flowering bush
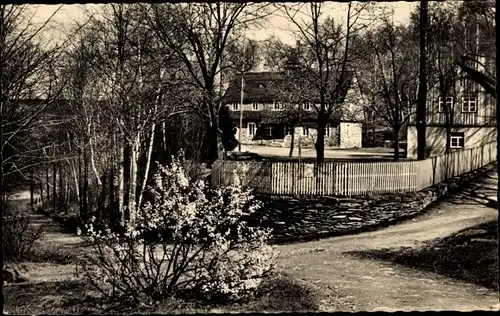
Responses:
[201,246]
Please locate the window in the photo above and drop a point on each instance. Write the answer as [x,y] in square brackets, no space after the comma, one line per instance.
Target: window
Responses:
[457,140]
[288,130]
[251,129]
[445,100]
[236,106]
[307,106]
[269,130]
[305,131]
[255,106]
[327,130]
[276,106]
[469,104]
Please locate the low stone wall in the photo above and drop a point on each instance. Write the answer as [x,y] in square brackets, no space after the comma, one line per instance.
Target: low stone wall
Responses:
[301,219]
[294,219]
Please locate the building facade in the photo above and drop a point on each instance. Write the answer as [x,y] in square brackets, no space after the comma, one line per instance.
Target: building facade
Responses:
[466,116]
[265,121]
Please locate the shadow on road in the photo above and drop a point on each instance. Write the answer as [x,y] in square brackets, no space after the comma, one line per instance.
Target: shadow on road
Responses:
[476,193]
[470,255]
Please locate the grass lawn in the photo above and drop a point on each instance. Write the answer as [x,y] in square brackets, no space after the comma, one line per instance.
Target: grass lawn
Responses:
[330,153]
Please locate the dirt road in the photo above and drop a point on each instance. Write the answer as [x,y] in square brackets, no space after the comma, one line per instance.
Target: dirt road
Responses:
[373,283]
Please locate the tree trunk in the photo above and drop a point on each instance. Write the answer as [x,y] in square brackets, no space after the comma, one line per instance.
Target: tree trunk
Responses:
[214,141]
[164,135]
[132,202]
[422,88]
[61,188]
[320,140]
[32,191]
[103,196]
[94,168]
[66,197]
[41,192]
[148,164]
[111,189]
[85,189]
[292,140]
[80,178]
[121,183]
[77,184]
[448,138]
[47,182]
[396,147]
[54,186]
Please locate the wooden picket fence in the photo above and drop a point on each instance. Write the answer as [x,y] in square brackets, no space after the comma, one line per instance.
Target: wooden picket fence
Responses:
[334,178]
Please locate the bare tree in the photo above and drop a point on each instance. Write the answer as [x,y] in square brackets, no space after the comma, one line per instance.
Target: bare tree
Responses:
[287,85]
[328,57]
[23,63]
[388,76]
[200,34]
[124,84]
[479,26]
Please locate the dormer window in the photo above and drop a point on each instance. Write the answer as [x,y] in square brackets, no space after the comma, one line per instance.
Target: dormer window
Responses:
[236,106]
[255,106]
[445,101]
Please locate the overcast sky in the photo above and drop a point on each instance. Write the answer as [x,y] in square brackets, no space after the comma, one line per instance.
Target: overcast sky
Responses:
[278,26]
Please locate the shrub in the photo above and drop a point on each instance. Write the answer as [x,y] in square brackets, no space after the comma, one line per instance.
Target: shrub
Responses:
[283,293]
[19,236]
[208,250]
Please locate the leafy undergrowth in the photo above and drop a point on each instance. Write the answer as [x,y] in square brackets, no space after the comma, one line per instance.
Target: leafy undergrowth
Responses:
[470,255]
[280,293]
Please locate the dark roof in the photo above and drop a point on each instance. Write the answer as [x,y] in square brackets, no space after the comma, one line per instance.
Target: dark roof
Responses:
[258,87]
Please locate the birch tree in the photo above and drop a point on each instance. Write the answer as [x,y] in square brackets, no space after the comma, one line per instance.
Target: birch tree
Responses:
[133,88]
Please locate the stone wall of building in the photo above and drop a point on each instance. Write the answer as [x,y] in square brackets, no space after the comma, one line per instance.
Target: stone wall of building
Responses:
[331,140]
[350,135]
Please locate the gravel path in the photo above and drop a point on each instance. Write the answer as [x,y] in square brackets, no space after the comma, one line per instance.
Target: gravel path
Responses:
[375,284]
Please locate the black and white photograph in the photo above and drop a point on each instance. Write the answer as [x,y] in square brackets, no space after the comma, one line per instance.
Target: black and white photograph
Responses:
[248,157]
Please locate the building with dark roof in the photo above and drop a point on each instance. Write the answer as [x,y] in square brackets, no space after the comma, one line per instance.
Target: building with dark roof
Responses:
[264,120]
